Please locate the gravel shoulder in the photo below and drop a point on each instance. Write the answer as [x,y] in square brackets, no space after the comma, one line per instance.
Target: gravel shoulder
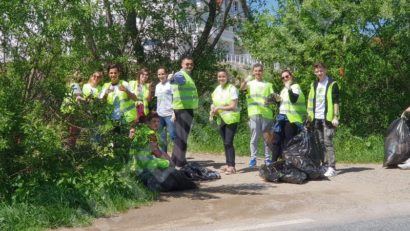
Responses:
[243,201]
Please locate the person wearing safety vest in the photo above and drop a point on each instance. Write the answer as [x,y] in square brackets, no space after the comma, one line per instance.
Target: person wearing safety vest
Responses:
[184,101]
[143,90]
[152,165]
[292,112]
[145,152]
[259,111]
[120,98]
[92,89]
[73,98]
[323,110]
[225,108]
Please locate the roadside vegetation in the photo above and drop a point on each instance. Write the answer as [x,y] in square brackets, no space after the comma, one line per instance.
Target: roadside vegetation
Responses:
[44,184]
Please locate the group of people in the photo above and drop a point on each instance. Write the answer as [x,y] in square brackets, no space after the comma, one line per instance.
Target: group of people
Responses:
[177,98]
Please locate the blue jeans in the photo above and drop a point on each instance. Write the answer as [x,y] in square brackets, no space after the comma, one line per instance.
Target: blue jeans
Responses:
[166,122]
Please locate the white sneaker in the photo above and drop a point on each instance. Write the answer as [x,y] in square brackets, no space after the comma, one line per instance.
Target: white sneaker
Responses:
[405,165]
[407,161]
[330,172]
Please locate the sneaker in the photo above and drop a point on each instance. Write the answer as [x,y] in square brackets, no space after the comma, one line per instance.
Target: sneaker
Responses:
[407,161]
[268,162]
[252,163]
[330,172]
[404,166]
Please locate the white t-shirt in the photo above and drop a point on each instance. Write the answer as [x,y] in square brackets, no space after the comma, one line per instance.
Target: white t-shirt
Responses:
[163,92]
[284,94]
[320,104]
[75,89]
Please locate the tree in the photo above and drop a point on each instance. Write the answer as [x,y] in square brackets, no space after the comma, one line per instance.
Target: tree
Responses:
[366,41]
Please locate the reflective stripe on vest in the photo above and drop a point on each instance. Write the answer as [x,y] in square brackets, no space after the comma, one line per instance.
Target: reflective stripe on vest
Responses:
[143,158]
[224,99]
[256,99]
[185,96]
[329,101]
[88,90]
[294,111]
[141,96]
[127,106]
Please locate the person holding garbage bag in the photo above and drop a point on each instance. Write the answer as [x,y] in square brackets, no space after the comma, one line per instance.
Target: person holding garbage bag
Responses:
[323,110]
[225,108]
[292,111]
[259,111]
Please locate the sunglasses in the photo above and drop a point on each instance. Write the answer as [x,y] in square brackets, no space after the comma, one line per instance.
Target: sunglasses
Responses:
[286,76]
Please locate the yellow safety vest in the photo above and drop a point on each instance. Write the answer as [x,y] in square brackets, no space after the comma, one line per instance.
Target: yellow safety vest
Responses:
[294,111]
[141,96]
[185,96]
[329,101]
[257,97]
[127,106]
[229,117]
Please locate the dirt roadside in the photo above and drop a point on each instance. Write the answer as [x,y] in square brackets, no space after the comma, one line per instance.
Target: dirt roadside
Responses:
[243,201]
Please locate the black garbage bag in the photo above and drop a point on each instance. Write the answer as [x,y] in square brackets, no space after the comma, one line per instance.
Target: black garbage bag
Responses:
[281,172]
[167,180]
[305,153]
[196,172]
[396,143]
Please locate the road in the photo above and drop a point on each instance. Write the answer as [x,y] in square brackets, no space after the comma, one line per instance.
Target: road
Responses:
[360,197]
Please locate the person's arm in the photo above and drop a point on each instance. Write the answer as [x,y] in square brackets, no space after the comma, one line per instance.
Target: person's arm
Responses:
[335,98]
[128,91]
[293,96]
[177,78]
[244,84]
[230,107]
[408,109]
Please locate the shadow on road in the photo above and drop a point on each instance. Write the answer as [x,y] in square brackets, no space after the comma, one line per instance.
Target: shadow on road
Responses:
[352,169]
[207,193]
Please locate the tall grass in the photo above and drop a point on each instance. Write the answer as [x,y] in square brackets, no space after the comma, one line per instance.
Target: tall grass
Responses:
[348,147]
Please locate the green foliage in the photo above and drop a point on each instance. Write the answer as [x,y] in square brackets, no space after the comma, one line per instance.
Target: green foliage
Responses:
[367,40]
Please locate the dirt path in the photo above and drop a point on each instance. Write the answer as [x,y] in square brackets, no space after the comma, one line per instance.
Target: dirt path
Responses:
[244,202]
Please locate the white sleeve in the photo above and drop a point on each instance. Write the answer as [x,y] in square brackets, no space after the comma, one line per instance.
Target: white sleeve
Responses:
[234,93]
[295,89]
[156,90]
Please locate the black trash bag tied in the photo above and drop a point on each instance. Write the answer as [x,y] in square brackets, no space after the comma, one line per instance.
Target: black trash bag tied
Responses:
[397,143]
[305,153]
[198,173]
[281,172]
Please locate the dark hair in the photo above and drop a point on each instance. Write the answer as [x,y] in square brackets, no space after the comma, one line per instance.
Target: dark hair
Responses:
[286,70]
[186,57]
[164,68]
[112,66]
[319,65]
[257,65]
[151,116]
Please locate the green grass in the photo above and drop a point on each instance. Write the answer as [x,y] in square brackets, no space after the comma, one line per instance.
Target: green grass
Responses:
[348,148]
[41,212]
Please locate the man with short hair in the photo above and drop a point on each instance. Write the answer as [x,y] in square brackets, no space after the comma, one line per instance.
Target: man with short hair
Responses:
[119,94]
[323,110]
[259,111]
[185,100]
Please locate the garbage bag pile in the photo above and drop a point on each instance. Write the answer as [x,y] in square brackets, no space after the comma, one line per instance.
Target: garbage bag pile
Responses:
[303,156]
[397,143]
[172,179]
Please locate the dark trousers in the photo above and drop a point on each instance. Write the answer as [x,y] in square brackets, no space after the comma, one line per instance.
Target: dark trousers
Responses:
[284,131]
[227,132]
[183,122]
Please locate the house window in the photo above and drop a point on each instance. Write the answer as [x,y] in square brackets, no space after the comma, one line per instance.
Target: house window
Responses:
[235,6]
